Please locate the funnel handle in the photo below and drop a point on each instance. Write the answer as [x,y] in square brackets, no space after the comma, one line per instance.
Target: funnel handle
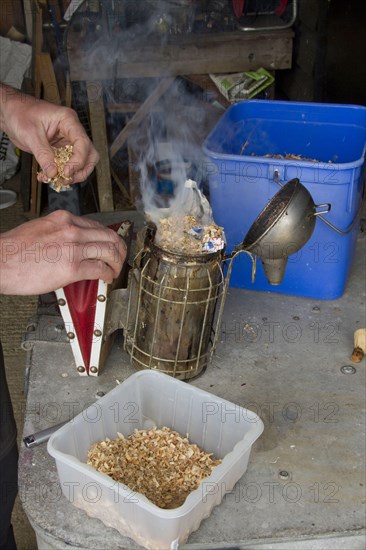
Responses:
[238,250]
[328,207]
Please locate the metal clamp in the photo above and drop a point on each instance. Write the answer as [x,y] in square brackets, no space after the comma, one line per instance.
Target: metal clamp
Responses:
[326,205]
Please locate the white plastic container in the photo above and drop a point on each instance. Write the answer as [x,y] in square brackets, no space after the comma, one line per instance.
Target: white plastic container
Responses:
[146,399]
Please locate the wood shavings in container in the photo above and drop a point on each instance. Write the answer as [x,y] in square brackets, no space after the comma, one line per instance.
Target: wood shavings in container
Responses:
[62,156]
[289,156]
[159,463]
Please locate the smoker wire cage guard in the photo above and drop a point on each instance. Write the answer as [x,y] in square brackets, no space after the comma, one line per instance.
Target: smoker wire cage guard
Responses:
[174,310]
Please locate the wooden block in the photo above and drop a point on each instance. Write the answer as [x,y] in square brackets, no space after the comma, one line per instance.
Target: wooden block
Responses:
[99,135]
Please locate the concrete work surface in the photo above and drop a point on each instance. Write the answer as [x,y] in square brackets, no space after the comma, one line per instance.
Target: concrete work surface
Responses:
[279,356]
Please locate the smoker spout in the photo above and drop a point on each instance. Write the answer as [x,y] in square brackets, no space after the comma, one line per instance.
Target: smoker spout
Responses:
[274,269]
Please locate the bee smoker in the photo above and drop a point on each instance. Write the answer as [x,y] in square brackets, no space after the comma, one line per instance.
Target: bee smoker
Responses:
[174,310]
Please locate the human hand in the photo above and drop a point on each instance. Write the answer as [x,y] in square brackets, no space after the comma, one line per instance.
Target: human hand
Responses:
[35,126]
[51,252]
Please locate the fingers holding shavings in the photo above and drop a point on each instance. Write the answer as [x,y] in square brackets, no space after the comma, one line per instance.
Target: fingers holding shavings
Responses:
[159,463]
[62,156]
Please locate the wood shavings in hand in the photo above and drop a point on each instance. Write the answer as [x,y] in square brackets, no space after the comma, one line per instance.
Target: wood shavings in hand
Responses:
[159,463]
[59,181]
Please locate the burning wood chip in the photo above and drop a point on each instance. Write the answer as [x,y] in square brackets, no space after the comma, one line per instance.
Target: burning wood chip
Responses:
[186,236]
[62,156]
[159,463]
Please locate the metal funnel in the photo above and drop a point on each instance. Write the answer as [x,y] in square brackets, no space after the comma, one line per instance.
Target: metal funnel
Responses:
[281,229]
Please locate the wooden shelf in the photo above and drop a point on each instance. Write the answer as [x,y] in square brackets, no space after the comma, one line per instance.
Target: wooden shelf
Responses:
[183,55]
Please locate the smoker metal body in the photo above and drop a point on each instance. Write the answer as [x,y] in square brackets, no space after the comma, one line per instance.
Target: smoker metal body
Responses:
[175,308]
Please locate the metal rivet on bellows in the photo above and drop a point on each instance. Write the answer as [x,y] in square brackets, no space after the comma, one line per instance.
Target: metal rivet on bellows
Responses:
[316,308]
[27,345]
[283,474]
[101,298]
[81,369]
[61,302]
[31,328]
[296,318]
[59,328]
[348,369]
[99,393]
[93,369]
[70,335]
[97,332]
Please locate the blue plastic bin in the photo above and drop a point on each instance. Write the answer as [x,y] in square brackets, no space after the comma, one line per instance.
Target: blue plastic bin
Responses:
[241,182]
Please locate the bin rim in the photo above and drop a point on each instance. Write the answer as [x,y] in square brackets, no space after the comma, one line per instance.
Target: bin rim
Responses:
[293,104]
[279,162]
